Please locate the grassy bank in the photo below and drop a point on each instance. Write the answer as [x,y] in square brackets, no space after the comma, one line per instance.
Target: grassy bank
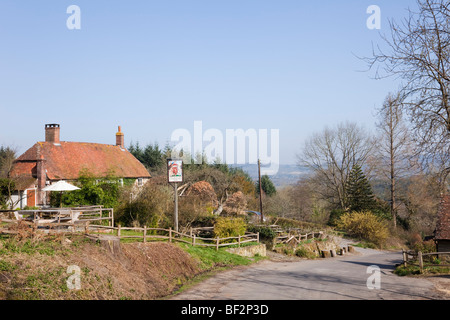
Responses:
[38,269]
[212,261]
[427,270]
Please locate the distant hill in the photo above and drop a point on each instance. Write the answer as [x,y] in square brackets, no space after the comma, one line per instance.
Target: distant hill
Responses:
[288,174]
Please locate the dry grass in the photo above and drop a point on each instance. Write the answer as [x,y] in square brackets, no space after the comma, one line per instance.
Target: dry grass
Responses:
[141,271]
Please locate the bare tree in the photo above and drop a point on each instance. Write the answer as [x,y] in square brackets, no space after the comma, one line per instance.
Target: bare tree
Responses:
[418,53]
[331,155]
[394,152]
[7,157]
[7,184]
[420,201]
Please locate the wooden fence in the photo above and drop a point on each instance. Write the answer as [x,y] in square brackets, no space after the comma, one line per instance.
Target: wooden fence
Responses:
[100,220]
[298,237]
[417,259]
[150,234]
[59,218]
[287,235]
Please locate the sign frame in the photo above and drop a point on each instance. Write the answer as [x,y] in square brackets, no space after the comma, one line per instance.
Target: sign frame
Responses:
[175,170]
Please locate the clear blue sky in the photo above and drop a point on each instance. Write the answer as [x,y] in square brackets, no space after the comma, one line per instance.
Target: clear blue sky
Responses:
[156,66]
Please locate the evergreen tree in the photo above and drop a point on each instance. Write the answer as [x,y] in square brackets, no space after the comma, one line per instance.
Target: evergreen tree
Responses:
[266,185]
[153,156]
[136,151]
[360,196]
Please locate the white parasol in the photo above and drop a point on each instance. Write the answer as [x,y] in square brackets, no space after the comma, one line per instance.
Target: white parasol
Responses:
[60,186]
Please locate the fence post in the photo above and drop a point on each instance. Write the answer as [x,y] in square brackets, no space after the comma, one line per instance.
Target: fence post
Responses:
[405,258]
[112,218]
[170,234]
[419,256]
[239,240]
[193,240]
[145,233]
[35,227]
[257,237]
[118,231]
[217,244]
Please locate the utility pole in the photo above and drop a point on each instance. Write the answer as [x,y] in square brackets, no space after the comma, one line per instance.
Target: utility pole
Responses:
[260,191]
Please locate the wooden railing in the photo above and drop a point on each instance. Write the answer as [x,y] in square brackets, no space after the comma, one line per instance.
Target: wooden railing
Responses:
[57,218]
[172,235]
[417,259]
[286,235]
[298,237]
[93,219]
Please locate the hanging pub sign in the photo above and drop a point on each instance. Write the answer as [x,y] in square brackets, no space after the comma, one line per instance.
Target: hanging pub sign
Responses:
[175,170]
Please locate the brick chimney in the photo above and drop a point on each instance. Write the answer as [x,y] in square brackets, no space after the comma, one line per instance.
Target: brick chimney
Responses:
[52,133]
[120,139]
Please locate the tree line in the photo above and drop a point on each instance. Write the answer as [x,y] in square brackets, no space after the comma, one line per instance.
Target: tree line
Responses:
[400,171]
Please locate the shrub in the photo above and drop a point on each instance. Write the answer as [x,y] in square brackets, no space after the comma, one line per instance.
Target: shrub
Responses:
[334,216]
[229,227]
[92,191]
[265,233]
[149,208]
[304,253]
[425,246]
[365,226]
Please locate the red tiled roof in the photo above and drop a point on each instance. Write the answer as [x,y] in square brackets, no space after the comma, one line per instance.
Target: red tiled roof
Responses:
[66,160]
[24,174]
[443,224]
[25,169]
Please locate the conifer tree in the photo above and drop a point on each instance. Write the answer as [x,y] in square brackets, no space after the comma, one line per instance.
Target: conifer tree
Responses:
[360,196]
[267,186]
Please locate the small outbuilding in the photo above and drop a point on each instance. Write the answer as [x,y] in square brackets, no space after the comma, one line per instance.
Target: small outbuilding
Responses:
[442,236]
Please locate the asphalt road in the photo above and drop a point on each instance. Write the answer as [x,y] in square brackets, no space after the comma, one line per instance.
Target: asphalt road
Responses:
[341,278]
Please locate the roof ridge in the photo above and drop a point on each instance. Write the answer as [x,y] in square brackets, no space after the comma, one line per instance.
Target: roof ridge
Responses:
[66,159]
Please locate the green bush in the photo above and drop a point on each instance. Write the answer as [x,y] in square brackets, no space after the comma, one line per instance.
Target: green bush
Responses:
[229,227]
[335,216]
[364,226]
[265,233]
[304,253]
[92,191]
[204,221]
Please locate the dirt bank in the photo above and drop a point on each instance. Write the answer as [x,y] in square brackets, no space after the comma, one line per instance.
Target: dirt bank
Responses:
[140,271]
